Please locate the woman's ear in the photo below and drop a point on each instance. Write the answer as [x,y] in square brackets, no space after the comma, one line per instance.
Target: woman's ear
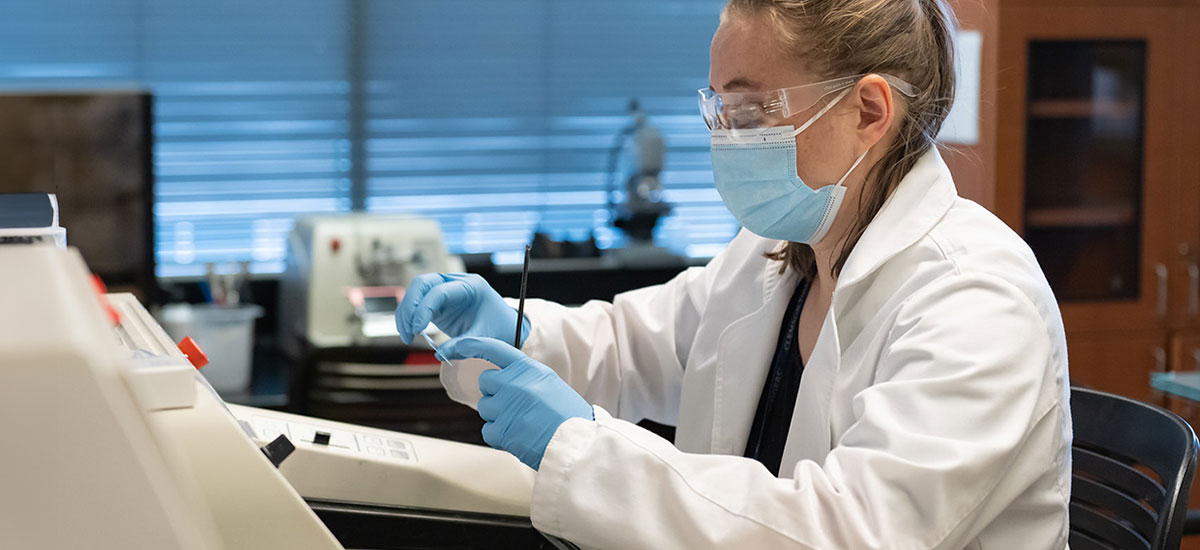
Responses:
[875,109]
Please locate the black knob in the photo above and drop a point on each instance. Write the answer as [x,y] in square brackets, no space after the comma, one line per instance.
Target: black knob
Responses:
[278,450]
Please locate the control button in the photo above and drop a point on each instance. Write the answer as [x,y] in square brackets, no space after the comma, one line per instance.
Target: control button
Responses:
[399,454]
[376,451]
[395,444]
[194,354]
[321,438]
[372,440]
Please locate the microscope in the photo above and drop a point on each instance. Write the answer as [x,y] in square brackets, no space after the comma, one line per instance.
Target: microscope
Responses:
[637,157]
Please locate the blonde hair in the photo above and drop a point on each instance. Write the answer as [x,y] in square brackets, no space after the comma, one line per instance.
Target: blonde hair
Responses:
[912,39]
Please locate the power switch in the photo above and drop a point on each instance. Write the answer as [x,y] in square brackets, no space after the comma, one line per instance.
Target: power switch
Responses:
[321,438]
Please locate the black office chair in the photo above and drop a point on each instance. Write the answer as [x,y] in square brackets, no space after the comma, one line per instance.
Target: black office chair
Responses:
[1133,465]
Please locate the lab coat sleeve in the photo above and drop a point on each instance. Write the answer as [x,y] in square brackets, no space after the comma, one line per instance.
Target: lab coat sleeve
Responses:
[628,355]
[930,460]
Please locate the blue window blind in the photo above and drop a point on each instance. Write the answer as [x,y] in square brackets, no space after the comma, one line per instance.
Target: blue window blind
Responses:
[495,118]
[251,103]
[65,44]
[250,123]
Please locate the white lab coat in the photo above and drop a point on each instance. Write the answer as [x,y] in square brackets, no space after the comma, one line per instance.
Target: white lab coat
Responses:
[933,411]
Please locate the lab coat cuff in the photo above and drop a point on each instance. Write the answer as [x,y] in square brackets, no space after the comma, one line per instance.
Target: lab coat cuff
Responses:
[566,448]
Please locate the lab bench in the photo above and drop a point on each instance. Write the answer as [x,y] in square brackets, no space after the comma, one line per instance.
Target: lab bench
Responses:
[1185,384]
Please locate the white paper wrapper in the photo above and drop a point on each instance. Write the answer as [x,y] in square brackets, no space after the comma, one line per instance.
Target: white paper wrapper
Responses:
[461,378]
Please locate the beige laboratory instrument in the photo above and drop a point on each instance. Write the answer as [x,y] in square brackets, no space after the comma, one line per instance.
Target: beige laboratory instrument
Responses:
[116,441]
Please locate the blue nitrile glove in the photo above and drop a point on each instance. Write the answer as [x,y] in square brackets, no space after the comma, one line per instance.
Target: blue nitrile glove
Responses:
[460,304]
[523,403]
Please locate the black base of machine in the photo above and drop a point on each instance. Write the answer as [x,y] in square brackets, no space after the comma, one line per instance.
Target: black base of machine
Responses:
[639,226]
[371,527]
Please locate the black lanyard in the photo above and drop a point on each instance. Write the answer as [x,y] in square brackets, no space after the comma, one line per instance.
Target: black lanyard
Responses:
[773,419]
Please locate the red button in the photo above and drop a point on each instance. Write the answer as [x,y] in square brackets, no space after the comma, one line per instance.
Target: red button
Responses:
[193,352]
[335,245]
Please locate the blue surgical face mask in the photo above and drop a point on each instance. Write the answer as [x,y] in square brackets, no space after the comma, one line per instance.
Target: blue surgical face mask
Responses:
[757,180]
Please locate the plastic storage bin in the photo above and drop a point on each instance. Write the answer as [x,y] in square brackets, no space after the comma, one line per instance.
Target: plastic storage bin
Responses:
[225,333]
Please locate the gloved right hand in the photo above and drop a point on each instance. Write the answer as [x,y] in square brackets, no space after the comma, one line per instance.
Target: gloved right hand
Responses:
[460,304]
[523,403]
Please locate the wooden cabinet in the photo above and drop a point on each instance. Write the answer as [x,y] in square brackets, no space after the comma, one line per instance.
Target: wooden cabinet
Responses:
[1185,218]
[1097,167]
[1138,354]
[1089,99]
[1185,214]
[1185,351]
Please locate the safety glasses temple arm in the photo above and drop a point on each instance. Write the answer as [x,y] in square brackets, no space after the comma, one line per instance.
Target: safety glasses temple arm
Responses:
[900,85]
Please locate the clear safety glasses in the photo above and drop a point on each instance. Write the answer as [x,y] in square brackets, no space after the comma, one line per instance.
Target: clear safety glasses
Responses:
[748,114]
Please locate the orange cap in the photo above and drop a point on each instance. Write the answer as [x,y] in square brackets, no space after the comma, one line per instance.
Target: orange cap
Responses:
[193,352]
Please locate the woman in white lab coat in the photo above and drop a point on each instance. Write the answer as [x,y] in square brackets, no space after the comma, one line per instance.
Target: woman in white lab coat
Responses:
[873,362]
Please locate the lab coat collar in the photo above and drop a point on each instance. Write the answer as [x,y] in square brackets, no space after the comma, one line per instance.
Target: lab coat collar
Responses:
[775,281]
[744,354]
[921,199]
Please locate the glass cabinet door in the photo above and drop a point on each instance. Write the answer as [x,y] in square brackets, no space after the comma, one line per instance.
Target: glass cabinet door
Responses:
[1084,165]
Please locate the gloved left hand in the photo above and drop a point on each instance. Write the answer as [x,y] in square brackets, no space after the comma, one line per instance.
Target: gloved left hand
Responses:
[523,403]
[460,304]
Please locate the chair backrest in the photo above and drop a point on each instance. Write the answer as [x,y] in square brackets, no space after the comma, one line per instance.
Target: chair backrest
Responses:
[1132,471]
